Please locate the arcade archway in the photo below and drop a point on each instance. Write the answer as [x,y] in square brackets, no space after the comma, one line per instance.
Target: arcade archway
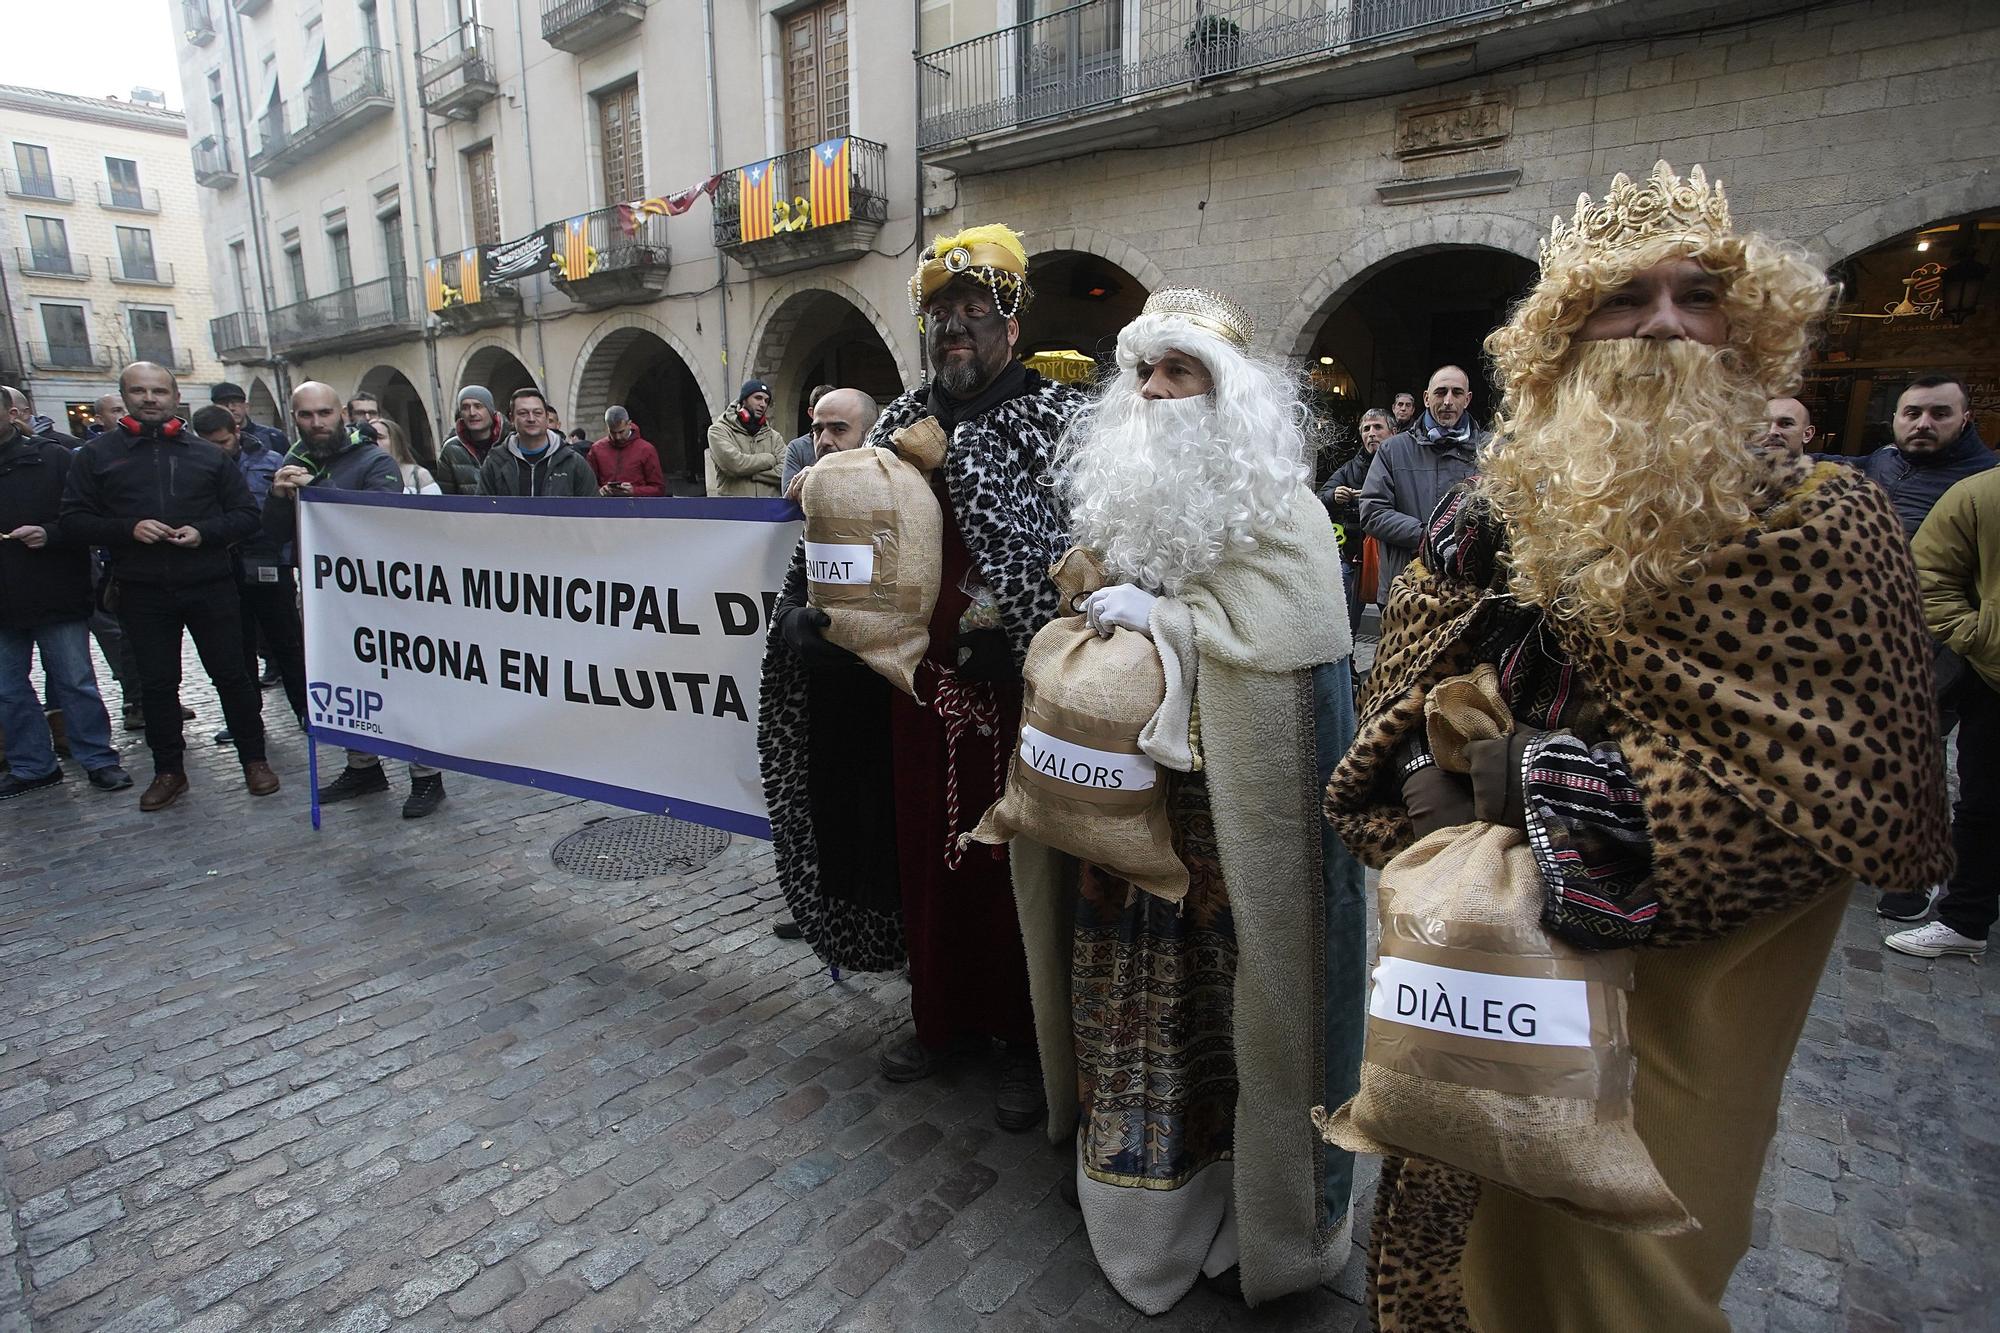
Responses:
[1924,302]
[636,369]
[264,406]
[1407,318]
[817,336]
[402,404]
[500,371]
[1081,302]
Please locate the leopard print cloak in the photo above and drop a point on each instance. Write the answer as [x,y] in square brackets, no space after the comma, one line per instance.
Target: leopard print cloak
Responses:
[1778,717]
[1015,526]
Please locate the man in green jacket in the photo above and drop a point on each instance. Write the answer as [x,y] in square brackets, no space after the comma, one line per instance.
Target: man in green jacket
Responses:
[1957,550]
[535,460]
[745,451]
[478,431]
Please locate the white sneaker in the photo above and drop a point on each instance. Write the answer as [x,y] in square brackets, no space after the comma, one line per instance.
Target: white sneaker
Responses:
[1934,940]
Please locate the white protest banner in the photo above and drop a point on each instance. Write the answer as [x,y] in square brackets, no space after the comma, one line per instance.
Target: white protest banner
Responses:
[606,648]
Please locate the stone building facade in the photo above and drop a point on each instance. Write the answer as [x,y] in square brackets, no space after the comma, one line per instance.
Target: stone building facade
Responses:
[100,248]
[1370,177]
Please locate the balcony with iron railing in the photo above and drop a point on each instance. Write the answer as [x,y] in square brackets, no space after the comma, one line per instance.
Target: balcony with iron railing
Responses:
[814,219]
[237,337]
[140,272]
[128,198]
[462,301]
[338,102]
[623,259]
[455,73]
[70,356]
[369,314]
[51,263]
[577,26]
[177,359]
[247,7]
[196,24]
[41,189]
[212,166]
[1099,75]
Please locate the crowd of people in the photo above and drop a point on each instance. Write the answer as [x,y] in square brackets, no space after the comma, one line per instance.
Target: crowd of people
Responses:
[1730,665]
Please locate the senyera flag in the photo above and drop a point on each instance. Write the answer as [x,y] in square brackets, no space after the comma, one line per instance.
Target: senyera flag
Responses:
[610,649]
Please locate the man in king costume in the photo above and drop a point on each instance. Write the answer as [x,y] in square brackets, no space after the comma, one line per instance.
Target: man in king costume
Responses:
[1719,674]
[1184,1042]
[1003,529]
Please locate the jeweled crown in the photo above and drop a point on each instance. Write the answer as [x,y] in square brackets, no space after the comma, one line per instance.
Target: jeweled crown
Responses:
[1205,310]
[1661,206]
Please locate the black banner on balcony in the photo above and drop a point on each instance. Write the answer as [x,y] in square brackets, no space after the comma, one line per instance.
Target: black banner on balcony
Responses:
[510,261]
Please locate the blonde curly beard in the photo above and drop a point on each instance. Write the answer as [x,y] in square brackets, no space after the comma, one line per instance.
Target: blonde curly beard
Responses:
[1640,456]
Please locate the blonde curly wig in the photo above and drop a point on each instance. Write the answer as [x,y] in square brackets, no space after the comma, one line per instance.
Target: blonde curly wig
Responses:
[1616,464]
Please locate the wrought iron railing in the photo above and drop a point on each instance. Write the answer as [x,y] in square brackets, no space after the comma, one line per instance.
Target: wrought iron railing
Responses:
[361,77]
[51,263]
[128,198]
[619,238]
[149,272]
[385,302]
[177,359]
[867,185]
[53,189]
[236,333]
[460,59]
[1098,54]
[272,136]
[211,158]
[69,356]
[558,15]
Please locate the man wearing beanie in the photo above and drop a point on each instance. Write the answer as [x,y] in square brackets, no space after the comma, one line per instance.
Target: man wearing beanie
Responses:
[252,435]
[478,431]
[745,451]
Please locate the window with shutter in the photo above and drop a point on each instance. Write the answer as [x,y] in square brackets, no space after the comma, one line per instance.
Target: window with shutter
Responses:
[622,144]
[485,192]
[816,75]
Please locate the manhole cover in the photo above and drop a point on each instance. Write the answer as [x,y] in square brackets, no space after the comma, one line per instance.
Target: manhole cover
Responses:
[639,846]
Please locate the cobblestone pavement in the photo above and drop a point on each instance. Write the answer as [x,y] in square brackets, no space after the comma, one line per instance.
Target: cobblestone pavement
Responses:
[412,1076]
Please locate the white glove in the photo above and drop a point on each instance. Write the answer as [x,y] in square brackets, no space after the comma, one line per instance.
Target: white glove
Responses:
[1125,604]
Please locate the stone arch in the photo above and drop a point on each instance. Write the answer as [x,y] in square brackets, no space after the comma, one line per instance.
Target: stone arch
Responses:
[498,366]
[1422,234]
[780,355]
[590,383]
[1976,193]
[1106,247]
[401,402]
[264,407]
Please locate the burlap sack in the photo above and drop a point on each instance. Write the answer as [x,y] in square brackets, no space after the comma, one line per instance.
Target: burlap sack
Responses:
[1080,782]
[875,549]
[1493,1047]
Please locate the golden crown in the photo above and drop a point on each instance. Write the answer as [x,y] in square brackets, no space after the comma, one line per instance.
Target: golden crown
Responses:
[1659,207]
[1205,310]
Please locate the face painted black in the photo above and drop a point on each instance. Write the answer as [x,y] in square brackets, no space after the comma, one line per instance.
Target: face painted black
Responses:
[965,337]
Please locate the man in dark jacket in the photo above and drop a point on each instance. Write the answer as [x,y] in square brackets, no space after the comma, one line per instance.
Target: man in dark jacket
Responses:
[535,460]
[1342,496]
[29,422]
[45,603]
[337,458]
[265,589]
[1412,471]
[168,505]
[478,431]
[1937,445]
[231,399]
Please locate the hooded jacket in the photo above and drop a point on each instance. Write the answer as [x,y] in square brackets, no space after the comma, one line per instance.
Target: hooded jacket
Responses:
[51,584]
[180,479]
[561,471]
[353,464]
[460,459]
[743,461]
[636,461]
[1915,484]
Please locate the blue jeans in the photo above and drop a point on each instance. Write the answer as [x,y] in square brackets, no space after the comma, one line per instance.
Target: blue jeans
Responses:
[1346,928]
[65,649]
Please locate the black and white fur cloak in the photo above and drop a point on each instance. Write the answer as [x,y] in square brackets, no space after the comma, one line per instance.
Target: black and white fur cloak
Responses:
[1015,525]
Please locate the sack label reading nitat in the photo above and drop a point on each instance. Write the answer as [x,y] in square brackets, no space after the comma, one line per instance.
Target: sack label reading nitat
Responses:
[840,562]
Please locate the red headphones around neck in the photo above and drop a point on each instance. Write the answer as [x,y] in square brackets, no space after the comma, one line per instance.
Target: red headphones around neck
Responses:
[169,428]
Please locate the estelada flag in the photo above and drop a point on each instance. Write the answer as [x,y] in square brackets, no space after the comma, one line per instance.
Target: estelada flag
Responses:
[753,200]
[830,202]
[433,285]
[468,275]
[577,255]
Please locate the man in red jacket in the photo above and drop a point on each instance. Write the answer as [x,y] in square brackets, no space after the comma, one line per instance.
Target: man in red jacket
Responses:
[624,463]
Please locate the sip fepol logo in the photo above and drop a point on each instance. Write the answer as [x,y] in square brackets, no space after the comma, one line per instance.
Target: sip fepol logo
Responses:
[347,707]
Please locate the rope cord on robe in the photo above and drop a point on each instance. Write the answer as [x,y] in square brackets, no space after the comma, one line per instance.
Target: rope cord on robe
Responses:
[960,704]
